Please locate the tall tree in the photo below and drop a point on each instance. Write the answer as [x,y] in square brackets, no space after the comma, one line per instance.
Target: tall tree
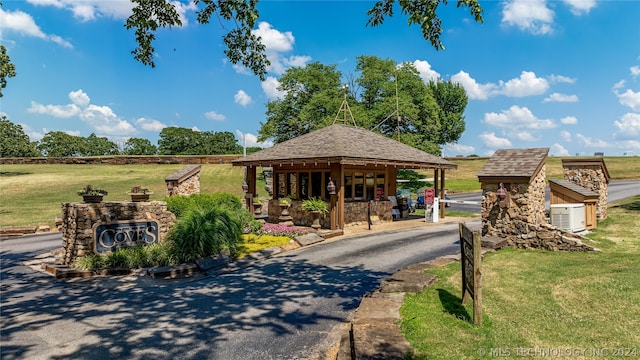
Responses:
[14,142]
[312,99]
[452,100]
[99,146]
[60,144]
[179,141]
[7,68]
[219,143]
[389,98]
[245,48]
[139,146]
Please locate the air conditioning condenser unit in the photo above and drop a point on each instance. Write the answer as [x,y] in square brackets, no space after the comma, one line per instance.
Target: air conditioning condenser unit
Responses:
[568,216]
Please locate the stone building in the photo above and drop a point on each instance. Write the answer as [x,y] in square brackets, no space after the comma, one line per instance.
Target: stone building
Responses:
[361,164]
[185,181]
[513,191]
[591,174]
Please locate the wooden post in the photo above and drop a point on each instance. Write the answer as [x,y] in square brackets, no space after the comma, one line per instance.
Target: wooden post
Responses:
[471,260]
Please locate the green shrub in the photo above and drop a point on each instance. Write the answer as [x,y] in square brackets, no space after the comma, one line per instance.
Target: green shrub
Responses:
[205,232]
[90,262]
[180,204]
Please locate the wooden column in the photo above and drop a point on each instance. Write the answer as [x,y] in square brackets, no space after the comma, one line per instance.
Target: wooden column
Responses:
[251,181]
[441,193]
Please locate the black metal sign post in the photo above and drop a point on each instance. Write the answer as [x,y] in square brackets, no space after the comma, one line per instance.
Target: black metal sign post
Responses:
[470,258]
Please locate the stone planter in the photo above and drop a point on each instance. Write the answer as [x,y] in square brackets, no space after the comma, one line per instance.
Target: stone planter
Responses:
[285,218]
[139,197]
[92,199]
[315,215]
[257,208]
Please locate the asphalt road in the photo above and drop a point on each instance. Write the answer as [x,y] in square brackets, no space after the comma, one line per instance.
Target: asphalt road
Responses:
[617,190]
[292,306]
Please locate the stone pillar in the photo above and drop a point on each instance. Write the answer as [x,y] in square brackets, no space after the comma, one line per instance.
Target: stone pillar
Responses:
[80,220]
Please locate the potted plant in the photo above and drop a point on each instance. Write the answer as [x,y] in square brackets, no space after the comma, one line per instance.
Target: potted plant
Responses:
[317,207]
[91,194]
[138,193]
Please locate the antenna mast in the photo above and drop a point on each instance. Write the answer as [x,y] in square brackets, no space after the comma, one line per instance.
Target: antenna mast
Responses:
[345,108]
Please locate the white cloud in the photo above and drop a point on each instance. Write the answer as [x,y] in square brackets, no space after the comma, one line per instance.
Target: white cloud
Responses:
[426,72]
[580,7]
[629,98]
[59,111]
[150,125]
[297,60]
[79,98]
[523,136]
[631,146]
[528,15]
[492,141]
[628,127]
[558,150]
[212,115]
[526,85]
[569,120]
[34,135]
[561,79]
[87,10]
[23,24]
[252,140]
[557,97]
[565,135]
[100,118]
[277,43]
[270,88]
[517,117]
[453,149]
[242,98]
[592,143]
[619,85]
[635,71]
[474,90]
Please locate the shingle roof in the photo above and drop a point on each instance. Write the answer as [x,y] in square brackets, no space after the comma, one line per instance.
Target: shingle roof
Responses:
[514,163]
[346,145]
[575,188]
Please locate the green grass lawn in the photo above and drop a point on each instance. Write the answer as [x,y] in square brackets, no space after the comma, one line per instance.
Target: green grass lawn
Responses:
[538,299]
[32,194]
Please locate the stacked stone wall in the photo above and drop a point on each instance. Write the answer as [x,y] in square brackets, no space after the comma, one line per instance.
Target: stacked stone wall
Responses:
[524,205]
[189,186]
[78,220]
[354,212]
[591,178]
[549,237]
[125,160]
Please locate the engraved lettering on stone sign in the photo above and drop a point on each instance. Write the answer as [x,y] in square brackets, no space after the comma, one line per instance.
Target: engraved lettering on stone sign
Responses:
[114,235]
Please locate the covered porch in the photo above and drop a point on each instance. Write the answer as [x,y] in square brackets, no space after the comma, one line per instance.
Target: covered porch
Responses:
[353,169]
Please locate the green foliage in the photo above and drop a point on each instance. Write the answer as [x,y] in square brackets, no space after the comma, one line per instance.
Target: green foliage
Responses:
[313,97]
[14,142]
[61,144]
[93,191]
[244,47]
[7,68]
[392,99]
[138,146]
[315,204]
[183,141]
[422,13]
[100,146]
[90,262]
[205,232]
[157,254]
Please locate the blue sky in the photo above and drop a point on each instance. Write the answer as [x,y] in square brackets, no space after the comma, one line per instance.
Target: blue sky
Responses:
[558,74]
